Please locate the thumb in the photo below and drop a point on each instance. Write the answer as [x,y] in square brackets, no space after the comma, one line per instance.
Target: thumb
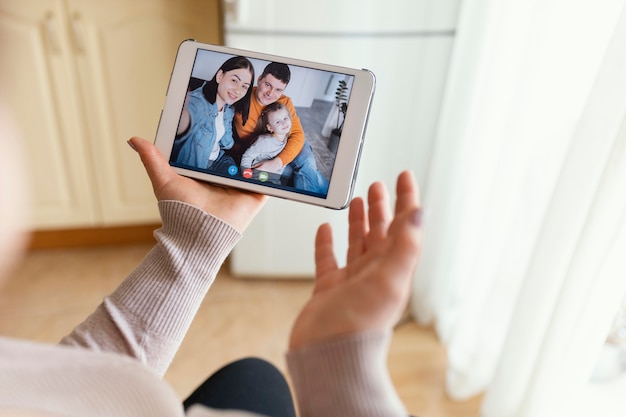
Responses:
[159,171]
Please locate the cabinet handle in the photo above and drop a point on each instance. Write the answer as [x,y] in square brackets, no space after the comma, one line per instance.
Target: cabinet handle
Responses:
[78,32]
[52,32]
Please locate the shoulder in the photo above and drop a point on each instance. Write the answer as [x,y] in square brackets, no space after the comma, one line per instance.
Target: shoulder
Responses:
[61,369]
[265,136]
[255,106]
[286,100]
[197,101]
[196,94]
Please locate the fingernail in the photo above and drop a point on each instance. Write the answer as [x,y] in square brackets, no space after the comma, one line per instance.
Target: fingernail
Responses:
[416,218]
[131,145]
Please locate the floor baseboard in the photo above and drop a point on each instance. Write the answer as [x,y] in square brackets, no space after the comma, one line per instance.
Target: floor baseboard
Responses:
[90,237]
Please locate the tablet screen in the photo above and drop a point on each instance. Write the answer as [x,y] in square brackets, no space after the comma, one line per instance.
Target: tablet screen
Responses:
[263,122]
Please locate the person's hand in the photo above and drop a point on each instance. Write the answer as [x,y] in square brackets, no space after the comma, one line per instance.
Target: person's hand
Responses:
[372,290]
[272,165]
[236,208]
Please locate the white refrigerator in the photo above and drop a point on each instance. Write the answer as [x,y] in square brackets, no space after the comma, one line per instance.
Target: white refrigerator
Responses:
[406,43]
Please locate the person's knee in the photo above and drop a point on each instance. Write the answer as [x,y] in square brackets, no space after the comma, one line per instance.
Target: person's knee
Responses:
[251,362]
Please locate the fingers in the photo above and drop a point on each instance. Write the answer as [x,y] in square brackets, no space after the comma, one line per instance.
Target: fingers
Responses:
[357,229]
[325,260]
[405,230]
[365,234]
[379,213]
[403,253]
[407,193]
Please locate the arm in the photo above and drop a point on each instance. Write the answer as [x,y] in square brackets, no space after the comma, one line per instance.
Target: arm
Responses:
[185,118]
[339,342]
[149,314]
[248,156]
[262,153]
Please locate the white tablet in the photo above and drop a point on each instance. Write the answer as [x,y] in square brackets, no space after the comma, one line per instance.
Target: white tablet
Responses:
[274,125]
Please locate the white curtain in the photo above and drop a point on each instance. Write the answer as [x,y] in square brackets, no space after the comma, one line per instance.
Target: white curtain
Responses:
[524,262]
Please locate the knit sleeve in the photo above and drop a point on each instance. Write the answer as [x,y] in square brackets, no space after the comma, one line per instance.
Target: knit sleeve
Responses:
[345,377]
[147,316]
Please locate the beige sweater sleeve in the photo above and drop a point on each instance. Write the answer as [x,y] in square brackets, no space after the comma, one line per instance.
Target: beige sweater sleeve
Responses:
[147,316]
[345,377]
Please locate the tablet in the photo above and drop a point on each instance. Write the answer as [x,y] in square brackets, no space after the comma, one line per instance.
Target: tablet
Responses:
[269,124]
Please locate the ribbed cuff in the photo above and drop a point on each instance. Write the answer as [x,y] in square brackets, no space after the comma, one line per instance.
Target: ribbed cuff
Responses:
[345,377]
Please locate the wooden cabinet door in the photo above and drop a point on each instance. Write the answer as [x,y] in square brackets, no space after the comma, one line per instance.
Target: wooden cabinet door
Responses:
[124,53]
[37,85]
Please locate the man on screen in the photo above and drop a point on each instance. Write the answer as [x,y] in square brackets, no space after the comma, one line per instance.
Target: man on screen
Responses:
[297,157]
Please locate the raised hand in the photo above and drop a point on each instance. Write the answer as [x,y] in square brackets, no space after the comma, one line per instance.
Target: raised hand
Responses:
[372,290]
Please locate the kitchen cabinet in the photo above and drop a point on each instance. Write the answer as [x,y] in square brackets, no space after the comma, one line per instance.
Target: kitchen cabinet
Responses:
[81,77]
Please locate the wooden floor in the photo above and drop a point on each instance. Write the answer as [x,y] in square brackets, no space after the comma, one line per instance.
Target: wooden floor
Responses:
[53,290]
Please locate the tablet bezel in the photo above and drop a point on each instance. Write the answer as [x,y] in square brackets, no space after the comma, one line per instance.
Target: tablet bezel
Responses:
[350,144]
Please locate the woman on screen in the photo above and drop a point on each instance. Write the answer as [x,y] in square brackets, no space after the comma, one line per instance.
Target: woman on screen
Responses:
[205,129]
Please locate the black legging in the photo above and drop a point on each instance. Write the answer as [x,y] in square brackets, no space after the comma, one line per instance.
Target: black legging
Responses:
[249,384]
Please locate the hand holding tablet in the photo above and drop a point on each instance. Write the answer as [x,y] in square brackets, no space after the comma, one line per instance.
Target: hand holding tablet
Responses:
[265,123]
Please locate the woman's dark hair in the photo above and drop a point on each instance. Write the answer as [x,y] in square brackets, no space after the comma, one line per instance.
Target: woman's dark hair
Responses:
[210,88]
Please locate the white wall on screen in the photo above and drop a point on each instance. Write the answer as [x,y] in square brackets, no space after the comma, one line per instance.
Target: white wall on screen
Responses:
[305,85]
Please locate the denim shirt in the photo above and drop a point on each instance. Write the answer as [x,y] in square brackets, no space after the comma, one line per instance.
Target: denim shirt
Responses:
[198,141]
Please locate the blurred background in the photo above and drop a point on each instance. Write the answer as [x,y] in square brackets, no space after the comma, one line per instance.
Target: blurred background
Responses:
[511,114]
